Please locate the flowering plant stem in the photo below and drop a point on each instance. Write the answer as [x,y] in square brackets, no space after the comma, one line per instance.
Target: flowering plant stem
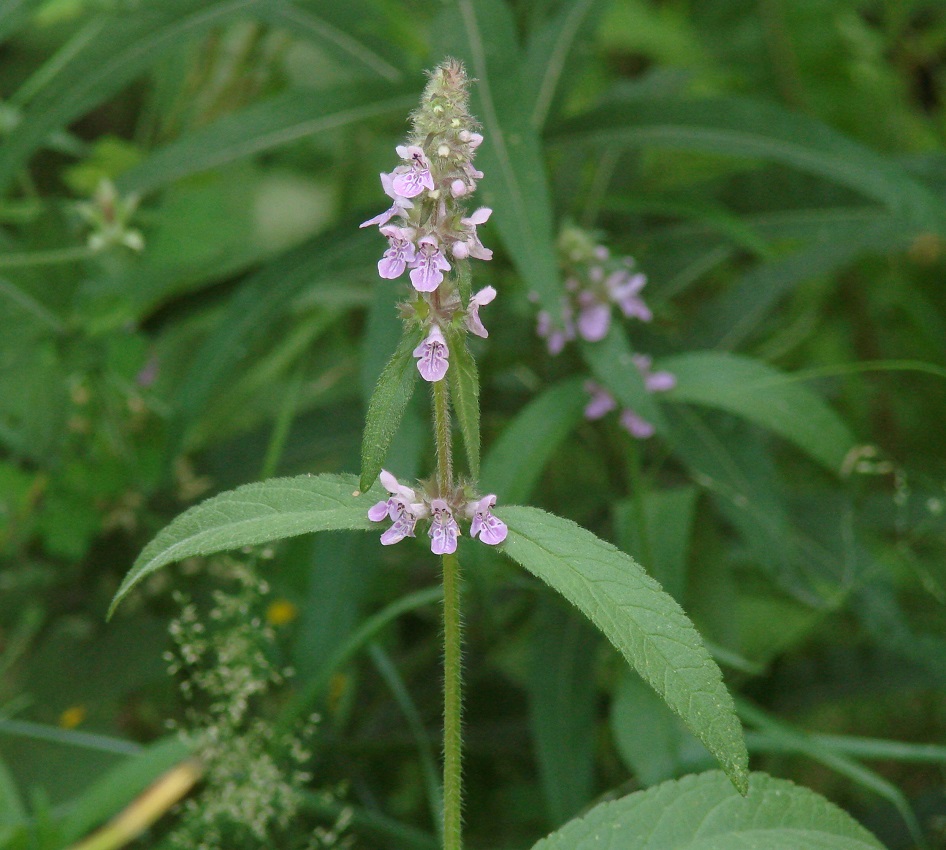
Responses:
[452,642]
[442,437]
[452,706]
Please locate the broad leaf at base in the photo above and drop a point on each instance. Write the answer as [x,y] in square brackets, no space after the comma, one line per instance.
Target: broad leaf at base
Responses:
[704,813]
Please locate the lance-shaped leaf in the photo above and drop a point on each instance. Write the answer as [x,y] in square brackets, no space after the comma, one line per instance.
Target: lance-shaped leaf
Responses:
[646,624]
[704,813]
[386,408]
[281,119]
[465,396]
[741,127]
[253,514]
[765,396]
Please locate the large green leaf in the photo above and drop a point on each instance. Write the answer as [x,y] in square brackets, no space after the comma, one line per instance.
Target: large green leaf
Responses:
[254,514]
[465,398]
[386,407]
[765,396]
[645,624]
[741,127]
[483,34]
[518,457]
[704,813]
[279,120]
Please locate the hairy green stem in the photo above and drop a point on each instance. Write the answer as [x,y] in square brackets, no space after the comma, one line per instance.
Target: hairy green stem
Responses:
[452,707]
[442,437]
[452,643]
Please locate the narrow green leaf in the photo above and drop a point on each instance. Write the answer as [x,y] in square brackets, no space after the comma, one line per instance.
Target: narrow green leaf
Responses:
[650,739]
[279,120]
[612,362]
[254,310]
[465,397]
[15,14]
[741,127]
[12,810]
[645,624]
[110,794]
[483,34]
[668,516]
[704,813]
[732,318]
[765,396]
[551,58]
[562,709]
[386,408]
[130,43]
[518,457]
[253,514]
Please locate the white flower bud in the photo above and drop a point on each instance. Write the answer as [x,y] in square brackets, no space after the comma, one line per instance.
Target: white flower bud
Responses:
[458,188]
[460,250]
[443,150]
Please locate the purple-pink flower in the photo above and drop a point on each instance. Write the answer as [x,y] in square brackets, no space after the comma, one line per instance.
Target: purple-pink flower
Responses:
[410,180]
[470,245]
[432,356]
[399,254]
[624,289]
[402,508]
[444,530]
[490,529]
[480,299]
[656,382]
[428,265]
[400,206]
[602,402]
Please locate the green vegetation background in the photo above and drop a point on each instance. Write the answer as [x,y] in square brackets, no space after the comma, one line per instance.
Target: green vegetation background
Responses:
[778,169]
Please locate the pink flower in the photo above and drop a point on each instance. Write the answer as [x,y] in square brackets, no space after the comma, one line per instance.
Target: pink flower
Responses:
[594,317]
[399,254]
[635,425]
[483,297]
[624,289]
[444,530]
[432,356]
[410,180]
[601,401]
[490,529]
[428,265]
[656,382]
[402,508]
[555,338]
[400,206]
[470,245]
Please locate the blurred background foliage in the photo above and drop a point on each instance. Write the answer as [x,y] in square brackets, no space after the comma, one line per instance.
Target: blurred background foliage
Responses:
[187,304]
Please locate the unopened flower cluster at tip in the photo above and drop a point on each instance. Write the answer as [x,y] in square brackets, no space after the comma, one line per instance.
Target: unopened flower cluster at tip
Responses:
[427,223]
[405,507]
[595,283]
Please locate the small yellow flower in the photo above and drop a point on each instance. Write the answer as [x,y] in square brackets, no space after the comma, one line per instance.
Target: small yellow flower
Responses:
[72,716]
[280,612]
